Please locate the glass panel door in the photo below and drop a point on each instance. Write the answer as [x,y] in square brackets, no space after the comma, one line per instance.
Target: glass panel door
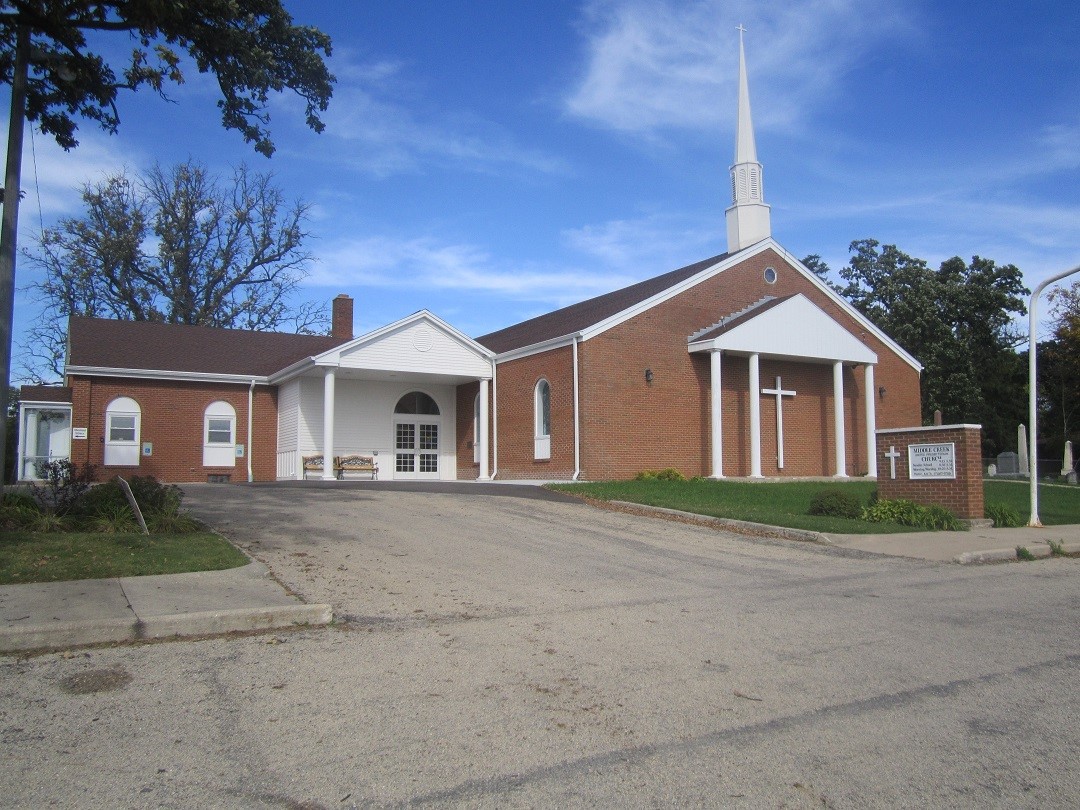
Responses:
[416,449]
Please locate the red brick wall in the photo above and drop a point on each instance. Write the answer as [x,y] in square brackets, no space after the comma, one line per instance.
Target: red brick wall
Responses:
[963,496]
[172,419]
[629,425]
[516,426]
[467,469]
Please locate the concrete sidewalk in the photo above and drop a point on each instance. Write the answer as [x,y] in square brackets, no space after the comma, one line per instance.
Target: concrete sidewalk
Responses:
[979,545]
[91,611]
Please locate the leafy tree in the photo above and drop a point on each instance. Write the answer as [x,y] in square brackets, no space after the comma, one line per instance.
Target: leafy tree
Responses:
[1059,370]
[958,321]
[176,246]
[816,265]
[251,46]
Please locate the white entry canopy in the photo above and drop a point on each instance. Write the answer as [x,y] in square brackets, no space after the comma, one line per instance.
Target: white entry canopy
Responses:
[421,345]
[793,328]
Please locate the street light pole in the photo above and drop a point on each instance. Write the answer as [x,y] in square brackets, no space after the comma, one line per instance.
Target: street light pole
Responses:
[1033,462]
[10,227]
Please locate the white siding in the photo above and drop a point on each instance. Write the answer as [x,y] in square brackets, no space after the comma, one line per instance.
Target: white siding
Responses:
[417,347]
[288,415]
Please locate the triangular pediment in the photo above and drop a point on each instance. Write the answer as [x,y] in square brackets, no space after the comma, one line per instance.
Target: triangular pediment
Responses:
[791,328]
[420,343]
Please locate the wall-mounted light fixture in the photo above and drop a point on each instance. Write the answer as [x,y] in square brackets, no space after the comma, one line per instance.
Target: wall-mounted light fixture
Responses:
[648,375]
[881,391]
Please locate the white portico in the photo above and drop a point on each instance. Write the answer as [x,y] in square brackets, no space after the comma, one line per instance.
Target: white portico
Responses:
[795,329]
[391,394]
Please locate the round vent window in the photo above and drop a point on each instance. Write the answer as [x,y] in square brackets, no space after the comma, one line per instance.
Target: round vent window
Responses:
[770,275]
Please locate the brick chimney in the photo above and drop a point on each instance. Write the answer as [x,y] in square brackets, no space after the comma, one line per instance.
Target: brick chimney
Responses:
[342,318]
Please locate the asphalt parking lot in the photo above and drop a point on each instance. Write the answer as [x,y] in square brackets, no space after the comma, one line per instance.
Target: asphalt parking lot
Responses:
[498,650]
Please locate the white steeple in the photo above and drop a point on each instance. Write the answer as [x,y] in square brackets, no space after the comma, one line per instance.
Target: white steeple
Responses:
[748,219]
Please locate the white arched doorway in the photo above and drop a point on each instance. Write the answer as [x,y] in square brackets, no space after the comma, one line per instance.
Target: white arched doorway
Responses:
[417,429]
[123,418]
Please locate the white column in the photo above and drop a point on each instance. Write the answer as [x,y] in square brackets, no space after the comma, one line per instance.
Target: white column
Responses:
[328,425]
[838,418]
[28,442]
[871,421]
[715,413]
[755,417]
[483,437]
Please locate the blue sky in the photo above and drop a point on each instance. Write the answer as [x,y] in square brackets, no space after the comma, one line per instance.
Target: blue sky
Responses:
[491,161]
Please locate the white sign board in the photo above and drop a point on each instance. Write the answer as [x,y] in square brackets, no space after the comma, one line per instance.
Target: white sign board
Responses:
[78,433]
[936,460]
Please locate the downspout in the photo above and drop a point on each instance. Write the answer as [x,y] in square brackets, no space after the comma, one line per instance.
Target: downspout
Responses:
[251,401]
[577,416]
[494,419]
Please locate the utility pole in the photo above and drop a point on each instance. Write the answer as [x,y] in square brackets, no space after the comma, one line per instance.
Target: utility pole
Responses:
[10,227]
[1033,462]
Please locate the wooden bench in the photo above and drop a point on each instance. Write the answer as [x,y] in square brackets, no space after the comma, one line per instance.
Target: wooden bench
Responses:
[357,464]
[342,465]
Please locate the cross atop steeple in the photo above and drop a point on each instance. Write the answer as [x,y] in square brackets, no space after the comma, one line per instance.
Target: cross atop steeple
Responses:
[748,218]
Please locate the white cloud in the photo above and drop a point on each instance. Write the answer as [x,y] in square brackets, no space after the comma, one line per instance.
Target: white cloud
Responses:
[53,178]
[648,245]
[657,64]
[424,263]
[380,123]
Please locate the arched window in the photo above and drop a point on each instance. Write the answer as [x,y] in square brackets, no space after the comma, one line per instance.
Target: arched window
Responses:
[123,422]
[219,435]
[417,402]
[476,430]
[542,410]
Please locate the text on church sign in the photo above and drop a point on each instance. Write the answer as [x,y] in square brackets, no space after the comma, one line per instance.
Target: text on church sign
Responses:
[936,460]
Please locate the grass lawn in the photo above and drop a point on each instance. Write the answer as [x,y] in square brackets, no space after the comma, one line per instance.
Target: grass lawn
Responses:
[55,556]
[786,503]
[1058,504]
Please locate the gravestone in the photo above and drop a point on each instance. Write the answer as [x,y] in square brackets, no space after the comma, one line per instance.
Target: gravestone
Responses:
[1068,468]
[1022,449]
[1008,463]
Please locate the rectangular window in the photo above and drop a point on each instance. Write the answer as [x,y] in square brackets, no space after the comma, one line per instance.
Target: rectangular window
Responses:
[121,428]
[219,431]
[429,437]
[406,437]
[405,463]
[429,462]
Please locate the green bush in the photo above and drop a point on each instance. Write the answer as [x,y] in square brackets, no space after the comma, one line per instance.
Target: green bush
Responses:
[835,503]
[1004,517]
[670,474]
[153,497]
[909,513]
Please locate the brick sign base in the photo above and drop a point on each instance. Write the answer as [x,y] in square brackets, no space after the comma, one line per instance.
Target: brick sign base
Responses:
[962,495]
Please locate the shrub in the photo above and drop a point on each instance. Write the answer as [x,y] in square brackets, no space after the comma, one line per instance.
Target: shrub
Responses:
[62,484]
[670,474]
[1004,517]
[120,520]
[835,503]
[909,513]
[153,497]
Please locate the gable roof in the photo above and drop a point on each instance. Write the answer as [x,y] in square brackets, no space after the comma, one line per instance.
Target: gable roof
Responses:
[100,343]
[576,317]
[792,327]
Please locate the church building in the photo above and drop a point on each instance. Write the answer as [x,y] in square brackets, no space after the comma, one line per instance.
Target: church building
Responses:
[743,364]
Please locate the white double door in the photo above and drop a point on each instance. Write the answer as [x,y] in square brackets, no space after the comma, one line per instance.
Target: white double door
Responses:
[416,447]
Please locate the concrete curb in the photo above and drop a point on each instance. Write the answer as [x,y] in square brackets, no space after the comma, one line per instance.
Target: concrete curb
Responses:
[57,635]
[739,526]
[1039,549]
[128,609]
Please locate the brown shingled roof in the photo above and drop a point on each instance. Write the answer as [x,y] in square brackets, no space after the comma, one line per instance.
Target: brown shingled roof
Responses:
[44,393]
[102,343]
[572,319]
